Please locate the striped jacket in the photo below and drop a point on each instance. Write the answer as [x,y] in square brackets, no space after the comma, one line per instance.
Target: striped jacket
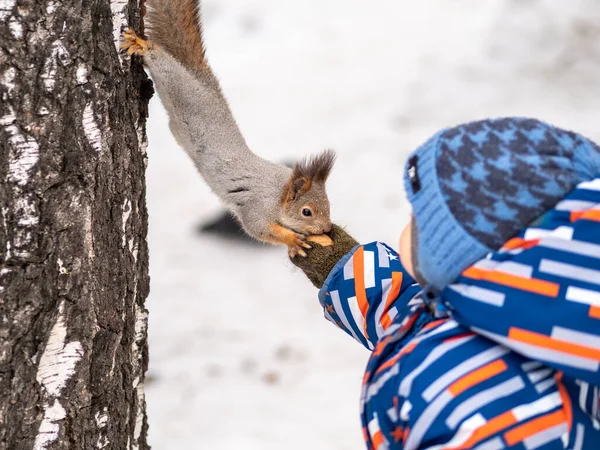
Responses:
[507,357]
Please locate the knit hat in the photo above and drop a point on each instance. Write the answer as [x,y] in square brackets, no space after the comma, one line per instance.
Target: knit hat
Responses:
[477,185]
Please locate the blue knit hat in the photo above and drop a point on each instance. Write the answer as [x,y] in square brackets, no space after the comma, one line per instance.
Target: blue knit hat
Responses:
[477,185]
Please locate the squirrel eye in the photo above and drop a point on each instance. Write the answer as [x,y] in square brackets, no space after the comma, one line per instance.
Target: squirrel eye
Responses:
[306,212]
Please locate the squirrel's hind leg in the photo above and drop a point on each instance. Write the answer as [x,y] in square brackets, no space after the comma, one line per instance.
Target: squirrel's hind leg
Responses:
[133,44]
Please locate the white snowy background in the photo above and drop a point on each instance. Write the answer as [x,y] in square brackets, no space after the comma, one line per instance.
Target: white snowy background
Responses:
[240,356]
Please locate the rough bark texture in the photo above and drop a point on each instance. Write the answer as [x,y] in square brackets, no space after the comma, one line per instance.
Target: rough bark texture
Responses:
[74,261]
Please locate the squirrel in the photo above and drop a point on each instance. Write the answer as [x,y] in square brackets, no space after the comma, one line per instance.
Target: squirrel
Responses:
[273,203]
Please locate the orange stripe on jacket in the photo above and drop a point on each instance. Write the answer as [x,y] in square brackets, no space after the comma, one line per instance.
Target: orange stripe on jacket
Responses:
[377,439]
[521,283]
[477,376]
[359,284]
[575,215]
[434,324]
[409,324]
[541,340]
[491,427]
[394,292]
[390,362]
[567,405]
[522,432]
[594,312]
[590,214]
[515,243]
[381,345]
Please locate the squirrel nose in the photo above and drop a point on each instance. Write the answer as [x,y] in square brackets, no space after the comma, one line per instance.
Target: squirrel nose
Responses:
[327,228]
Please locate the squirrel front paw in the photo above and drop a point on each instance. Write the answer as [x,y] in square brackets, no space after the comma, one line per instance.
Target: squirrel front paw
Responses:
[295,242]
[297,246]
[133,44]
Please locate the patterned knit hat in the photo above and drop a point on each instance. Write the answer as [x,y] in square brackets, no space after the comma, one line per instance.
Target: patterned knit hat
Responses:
[477,185]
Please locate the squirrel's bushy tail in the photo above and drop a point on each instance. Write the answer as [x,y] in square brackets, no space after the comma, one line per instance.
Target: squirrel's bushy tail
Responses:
[175,25]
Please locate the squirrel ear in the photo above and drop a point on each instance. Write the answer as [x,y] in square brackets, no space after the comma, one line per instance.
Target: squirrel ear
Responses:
[316,168]
[296,187]
[323,164]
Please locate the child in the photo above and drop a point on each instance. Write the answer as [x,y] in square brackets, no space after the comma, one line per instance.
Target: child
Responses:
[500,345]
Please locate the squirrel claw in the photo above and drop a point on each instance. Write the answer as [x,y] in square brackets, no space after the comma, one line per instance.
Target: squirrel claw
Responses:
[133,44]
[294,251]
[305,244]
[297,246]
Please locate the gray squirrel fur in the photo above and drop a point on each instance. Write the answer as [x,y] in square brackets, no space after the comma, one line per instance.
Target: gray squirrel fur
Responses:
[269,200]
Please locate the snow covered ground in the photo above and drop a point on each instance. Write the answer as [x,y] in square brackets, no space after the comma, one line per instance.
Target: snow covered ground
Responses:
[240,356]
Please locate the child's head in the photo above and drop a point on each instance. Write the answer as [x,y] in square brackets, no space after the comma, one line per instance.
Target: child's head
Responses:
[477,185]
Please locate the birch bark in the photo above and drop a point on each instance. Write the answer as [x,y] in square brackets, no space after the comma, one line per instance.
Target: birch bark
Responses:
[73,224]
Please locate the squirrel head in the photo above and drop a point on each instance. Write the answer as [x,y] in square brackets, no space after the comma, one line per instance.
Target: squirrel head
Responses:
[305,202]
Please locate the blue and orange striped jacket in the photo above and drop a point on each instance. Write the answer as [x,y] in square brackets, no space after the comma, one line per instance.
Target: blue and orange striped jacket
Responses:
[507,357]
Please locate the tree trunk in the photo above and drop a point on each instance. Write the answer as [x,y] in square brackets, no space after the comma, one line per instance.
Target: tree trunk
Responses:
[74,261]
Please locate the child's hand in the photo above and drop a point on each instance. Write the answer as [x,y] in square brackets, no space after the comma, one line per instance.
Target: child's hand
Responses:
[324,255]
